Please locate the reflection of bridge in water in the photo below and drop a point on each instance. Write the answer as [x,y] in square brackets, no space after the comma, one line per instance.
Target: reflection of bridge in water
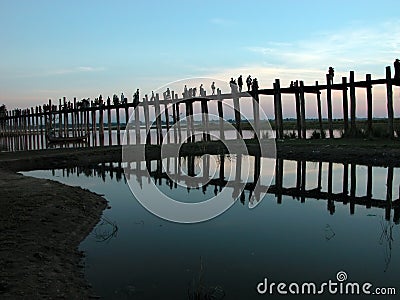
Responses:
[210,172]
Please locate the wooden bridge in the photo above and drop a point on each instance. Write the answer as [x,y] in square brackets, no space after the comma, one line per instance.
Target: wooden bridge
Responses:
[26,129]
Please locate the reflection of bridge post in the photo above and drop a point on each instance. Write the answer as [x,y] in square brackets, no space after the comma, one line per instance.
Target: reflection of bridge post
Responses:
[188,134]
[206,171]
[345,182]
[257,173]
[389,186]
[331,202]
[303,180]
[298,176]
[190,165]
[369,186]
[238,176]
[279,179]
[221,170]
[353,183]
[319,187]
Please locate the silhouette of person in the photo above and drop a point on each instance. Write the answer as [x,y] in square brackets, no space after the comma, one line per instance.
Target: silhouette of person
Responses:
[201,90]
[248,82]
[152,96]
[136,98]
[233,85]
[396,69]
[213,88]
[331,73]
[240,83]
[168,94]
[185,91]
[255,85]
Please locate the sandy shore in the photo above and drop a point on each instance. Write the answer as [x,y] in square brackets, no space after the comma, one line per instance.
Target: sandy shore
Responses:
[42,222]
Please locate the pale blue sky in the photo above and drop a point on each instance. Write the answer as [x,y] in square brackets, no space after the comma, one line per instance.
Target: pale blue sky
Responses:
[51,49]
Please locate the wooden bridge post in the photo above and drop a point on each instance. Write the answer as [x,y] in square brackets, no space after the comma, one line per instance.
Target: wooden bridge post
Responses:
[166,113]
[137,125]
[42,115]
[278,109]
[319,109]
[118,124]
[65,109]
[178,119]
[345,107]
[109,125]
[28,128]
[256,113]
[94,118]
[128,138]
[147,118]
[74,118]
[59,118]
[303,110]
[174,120]
[37,127]
[158,120]
[236,107]
[353,129]
[101,122]
[220,115]
[369,104]
[389,93]
[298,110]
[329,104]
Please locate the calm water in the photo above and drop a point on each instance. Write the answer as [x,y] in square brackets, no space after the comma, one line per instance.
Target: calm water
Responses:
[283,238]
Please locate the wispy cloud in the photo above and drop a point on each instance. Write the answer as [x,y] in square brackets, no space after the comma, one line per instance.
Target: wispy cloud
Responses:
[80,69]
[221,22]
[345,48]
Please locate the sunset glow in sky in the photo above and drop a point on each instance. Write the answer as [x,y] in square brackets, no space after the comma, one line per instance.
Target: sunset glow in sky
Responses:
[50,49]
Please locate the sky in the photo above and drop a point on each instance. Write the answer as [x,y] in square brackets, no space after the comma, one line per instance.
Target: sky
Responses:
[51,49]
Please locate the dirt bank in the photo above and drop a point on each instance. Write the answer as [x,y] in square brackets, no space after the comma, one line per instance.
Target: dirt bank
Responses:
[42,223]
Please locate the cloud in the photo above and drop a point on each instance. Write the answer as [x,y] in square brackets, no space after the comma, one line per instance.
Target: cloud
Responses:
[80,69]
[346,48]
[221,22]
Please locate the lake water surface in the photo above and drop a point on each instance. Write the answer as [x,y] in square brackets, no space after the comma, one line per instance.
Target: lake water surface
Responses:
[283,238]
